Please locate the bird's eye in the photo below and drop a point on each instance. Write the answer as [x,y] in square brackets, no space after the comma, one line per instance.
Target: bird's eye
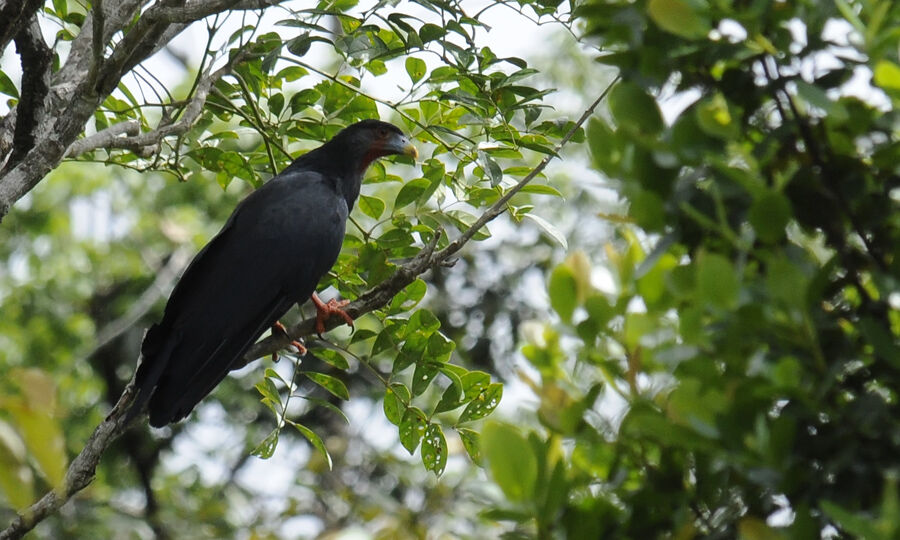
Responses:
[382,133]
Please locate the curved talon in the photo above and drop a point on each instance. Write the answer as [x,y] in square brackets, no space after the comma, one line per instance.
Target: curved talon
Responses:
[325,310]
[278,327]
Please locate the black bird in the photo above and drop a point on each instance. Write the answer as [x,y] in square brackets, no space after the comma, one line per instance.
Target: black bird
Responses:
[270,254]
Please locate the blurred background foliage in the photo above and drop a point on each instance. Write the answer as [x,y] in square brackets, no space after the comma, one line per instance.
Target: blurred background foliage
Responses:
[694,315]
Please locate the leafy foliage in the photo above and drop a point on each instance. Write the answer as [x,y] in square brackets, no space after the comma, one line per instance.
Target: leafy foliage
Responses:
[724,364]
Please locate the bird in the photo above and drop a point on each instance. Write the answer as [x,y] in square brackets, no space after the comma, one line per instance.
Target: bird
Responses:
[270,254]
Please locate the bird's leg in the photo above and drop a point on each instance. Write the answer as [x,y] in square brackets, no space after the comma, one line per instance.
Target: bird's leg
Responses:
[278,327]
[324,311]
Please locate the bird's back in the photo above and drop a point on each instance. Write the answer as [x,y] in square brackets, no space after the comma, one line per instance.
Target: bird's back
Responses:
[270,254]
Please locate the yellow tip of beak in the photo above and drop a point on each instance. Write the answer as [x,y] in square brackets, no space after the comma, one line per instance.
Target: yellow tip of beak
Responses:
[410,150]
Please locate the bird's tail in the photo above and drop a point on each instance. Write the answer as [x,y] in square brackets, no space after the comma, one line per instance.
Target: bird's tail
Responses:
[155,353]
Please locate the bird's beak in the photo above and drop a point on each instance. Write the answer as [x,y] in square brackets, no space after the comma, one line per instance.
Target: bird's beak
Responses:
[399,144]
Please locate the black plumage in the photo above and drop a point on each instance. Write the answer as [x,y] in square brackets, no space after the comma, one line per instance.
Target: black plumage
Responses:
[270,254]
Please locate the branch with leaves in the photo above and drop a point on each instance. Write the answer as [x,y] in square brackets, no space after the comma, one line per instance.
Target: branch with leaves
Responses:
[82,469]
[40,130]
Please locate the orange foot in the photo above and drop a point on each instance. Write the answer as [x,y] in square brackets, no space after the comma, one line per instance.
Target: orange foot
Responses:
[324,311]
[278,327]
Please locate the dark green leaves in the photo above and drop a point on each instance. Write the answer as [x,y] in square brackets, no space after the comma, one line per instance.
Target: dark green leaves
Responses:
[769,216]
[634,109]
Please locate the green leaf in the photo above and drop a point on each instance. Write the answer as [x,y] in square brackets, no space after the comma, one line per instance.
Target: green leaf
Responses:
[266,448]
[491,168]
[769,216]
[717,281]
[563,291]
[276,104]
[371,206]
[416,68]
[395,399]
[322,403]
[332,384]
[606,147]
[541,189]
[333,358]
[411,191]
[431,32]
[473,383]
[471,441]
[635,109]
[511,460]
[549,228]
[270,394]
[7,87]
[412,427]
[450,399]
[424,374]
[858,526]
[314,439]
[887,75]
[679,18]
[483,405]
[715,118]
[434,450]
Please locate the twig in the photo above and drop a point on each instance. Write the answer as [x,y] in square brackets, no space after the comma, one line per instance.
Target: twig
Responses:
[104,138]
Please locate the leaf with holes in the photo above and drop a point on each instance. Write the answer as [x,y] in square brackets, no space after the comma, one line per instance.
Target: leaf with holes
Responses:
[434,449]
[395,399]
[266,448]
[412,427]
[471,441]
[415,67]
[484,404]
[424,374]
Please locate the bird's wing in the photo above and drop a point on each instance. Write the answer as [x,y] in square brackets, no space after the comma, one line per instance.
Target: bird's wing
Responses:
[269,251]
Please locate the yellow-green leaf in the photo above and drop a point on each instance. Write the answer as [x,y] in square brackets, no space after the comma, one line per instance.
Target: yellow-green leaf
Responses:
[679,18]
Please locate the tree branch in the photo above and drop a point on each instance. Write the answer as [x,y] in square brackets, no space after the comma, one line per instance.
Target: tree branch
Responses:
[106,138]
[83,467]
[35,57]
[139,142]
[12,13]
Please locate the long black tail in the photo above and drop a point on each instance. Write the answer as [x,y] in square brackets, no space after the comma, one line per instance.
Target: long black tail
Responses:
[156,350]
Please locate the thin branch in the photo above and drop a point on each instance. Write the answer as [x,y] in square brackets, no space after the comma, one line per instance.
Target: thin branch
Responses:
[105,138]
[83,468]
[109,137]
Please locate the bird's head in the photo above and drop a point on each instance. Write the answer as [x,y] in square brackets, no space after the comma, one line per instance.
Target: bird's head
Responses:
[376,139]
